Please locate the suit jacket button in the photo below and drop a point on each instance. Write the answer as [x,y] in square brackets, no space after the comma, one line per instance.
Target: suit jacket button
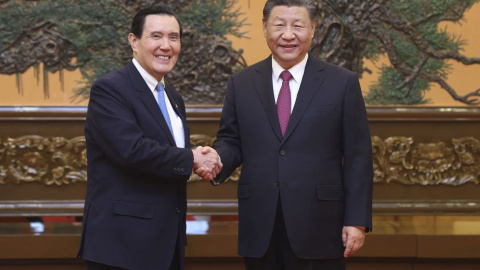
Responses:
[282,152]
[277,183]
[177,210]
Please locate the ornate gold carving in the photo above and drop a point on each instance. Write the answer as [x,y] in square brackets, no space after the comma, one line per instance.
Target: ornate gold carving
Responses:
[453,163]
[398,159]
[59,161]
[3,171]
[51,161]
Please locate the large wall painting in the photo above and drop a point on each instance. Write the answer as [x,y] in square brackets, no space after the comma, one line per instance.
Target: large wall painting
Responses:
[91,36]
[407,42]
[407,33]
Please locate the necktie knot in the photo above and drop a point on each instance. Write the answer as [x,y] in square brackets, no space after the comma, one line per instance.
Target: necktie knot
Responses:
[159,87]
[286,75]
[163,105]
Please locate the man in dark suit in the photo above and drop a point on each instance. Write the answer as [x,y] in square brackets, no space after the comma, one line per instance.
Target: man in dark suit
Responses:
[302,137]
[139,156]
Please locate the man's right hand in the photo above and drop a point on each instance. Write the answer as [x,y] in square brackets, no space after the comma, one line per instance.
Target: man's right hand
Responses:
[206,162]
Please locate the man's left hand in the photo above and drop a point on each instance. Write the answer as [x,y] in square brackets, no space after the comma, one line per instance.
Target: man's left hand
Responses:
[353,238]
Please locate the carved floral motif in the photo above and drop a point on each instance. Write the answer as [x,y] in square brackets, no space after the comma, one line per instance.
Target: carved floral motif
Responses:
[51,161]
[60,161]
[398,159]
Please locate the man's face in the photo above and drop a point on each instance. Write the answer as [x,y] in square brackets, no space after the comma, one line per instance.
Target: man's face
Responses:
[158,48]
[289,32]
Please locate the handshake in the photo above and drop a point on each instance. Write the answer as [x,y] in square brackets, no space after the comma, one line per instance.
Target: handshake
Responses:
[206,162]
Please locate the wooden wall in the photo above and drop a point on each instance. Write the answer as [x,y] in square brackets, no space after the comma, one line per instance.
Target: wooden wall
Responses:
[426,159]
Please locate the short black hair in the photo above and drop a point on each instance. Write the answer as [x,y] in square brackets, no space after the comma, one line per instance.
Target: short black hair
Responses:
[138,21]
[308,4]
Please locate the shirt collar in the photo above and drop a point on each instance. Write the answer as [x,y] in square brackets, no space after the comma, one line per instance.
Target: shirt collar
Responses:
[149,79]
[296,71]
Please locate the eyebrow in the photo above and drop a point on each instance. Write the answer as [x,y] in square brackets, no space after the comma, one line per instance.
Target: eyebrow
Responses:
[280,18]
[160,32]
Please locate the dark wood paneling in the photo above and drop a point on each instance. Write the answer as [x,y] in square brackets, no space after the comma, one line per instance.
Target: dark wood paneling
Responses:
[383,250]
[449,246]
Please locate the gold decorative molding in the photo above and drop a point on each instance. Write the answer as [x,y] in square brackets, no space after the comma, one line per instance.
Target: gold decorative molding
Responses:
[60,161]
[51,161]
[400,159]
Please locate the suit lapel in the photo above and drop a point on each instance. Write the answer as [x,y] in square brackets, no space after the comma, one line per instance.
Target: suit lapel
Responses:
[173,101]
[311,82]
[263,85]
[148,99]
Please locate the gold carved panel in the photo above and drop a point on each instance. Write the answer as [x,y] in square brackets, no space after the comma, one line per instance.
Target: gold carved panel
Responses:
[400,159]
[61,161]
[51,161]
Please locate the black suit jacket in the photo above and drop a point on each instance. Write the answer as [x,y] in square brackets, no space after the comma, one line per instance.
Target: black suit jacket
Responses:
[135,205]
[321,168]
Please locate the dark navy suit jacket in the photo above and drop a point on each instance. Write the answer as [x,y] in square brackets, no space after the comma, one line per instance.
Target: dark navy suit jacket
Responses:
[135,205]
[321,168]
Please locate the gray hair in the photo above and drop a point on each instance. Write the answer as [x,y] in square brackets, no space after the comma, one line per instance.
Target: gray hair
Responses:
[308,4]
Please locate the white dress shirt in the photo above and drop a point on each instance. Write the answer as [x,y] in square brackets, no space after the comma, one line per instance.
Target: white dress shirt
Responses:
[297,73]
[176,121]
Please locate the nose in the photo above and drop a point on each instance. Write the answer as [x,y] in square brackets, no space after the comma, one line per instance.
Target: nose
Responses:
[288,33]
[164,43]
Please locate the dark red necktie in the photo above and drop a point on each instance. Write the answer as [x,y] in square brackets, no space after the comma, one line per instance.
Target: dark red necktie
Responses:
[284,101]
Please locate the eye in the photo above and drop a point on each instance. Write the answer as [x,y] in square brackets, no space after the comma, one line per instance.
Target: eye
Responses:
[174,38]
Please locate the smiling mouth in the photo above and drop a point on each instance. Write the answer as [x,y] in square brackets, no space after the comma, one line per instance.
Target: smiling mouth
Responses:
[163,57]
[288,46]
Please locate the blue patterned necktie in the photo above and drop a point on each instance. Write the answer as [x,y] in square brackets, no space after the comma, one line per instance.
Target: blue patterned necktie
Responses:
[284,101]
[163,106]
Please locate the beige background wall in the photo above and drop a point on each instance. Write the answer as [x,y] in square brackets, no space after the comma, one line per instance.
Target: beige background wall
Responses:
[464,79]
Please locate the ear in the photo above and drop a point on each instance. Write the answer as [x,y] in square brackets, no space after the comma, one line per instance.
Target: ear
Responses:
[313,28]
[264,25]
[133,41]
